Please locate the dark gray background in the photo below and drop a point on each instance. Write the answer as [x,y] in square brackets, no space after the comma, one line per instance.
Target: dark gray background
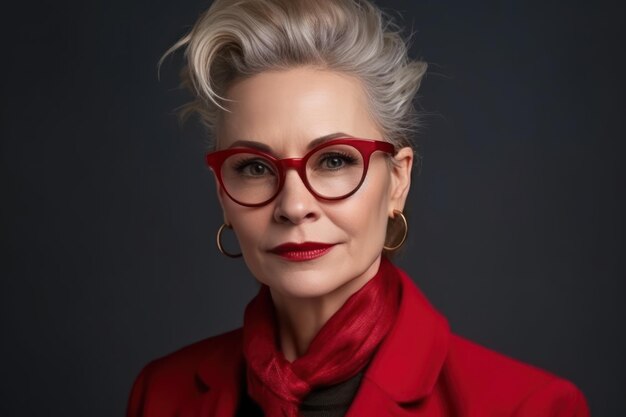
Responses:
[108,214]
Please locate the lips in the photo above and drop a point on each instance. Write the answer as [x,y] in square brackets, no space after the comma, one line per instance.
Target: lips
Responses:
[304,246]
[302,251]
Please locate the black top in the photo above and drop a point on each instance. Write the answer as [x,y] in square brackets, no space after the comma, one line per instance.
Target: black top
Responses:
[332,401]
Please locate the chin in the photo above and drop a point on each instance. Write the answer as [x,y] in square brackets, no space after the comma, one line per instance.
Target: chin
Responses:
[305,283]
[303,287]
[309,279]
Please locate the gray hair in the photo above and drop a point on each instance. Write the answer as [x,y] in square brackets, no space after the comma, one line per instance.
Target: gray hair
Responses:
[235,39]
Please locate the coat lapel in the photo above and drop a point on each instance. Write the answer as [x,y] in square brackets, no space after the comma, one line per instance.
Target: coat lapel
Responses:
[220,377]
[407,364]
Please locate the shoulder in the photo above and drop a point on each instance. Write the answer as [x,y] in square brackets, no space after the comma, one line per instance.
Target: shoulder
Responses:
[484,377]
[175,378]
[187,360]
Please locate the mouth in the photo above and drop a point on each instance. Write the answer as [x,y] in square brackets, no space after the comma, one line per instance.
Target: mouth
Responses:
[299,252]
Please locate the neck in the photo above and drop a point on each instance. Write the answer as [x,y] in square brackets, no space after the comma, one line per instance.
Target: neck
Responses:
[300,319]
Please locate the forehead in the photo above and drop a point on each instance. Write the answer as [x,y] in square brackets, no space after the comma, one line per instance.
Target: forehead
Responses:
[287,109]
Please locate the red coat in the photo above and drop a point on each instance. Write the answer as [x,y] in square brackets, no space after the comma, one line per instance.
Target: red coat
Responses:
[420,369]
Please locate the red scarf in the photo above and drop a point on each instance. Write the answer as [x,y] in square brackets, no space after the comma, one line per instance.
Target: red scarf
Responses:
[342,347]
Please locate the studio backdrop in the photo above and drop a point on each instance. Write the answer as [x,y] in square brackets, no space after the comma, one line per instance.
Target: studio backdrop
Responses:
[109,214]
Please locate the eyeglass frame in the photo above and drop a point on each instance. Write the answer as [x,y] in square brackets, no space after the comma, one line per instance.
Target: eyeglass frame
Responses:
[366,147]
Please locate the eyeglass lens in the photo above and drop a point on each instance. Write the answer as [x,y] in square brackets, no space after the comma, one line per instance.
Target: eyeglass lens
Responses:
[332,172]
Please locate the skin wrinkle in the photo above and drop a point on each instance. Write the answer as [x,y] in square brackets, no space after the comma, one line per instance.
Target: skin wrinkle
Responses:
[286,110]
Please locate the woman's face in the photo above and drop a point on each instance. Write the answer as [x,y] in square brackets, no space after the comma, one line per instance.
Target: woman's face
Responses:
[285,110]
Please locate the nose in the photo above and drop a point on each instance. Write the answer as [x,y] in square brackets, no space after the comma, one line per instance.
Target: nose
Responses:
[295,204]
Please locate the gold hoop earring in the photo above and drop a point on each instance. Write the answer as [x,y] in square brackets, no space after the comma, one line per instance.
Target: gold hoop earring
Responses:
[406,231]
[219,242]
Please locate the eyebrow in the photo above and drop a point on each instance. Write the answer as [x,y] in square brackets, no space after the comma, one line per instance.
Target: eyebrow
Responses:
[265,148]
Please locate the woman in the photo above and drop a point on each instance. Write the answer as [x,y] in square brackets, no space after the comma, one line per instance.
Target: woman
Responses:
[310,104]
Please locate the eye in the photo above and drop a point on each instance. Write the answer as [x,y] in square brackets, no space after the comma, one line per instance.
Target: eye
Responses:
[335,160]
[253,168]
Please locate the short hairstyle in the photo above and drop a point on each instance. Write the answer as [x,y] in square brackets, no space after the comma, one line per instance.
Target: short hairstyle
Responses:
[235,39]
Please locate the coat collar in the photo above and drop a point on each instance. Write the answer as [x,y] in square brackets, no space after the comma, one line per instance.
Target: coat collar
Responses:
[219,378]
[224,363]
[410,358]
[405,367]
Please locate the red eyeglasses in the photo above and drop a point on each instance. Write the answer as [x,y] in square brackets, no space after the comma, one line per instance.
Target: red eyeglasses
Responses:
[331,171]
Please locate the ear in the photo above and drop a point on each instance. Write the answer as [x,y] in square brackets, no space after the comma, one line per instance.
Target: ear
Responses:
[220,197]
[400,179]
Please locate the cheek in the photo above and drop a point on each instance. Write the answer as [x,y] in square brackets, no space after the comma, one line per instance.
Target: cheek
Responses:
[365,215]
[249,224]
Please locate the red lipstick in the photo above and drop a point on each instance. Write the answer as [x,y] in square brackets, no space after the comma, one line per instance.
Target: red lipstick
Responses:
[299,252]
